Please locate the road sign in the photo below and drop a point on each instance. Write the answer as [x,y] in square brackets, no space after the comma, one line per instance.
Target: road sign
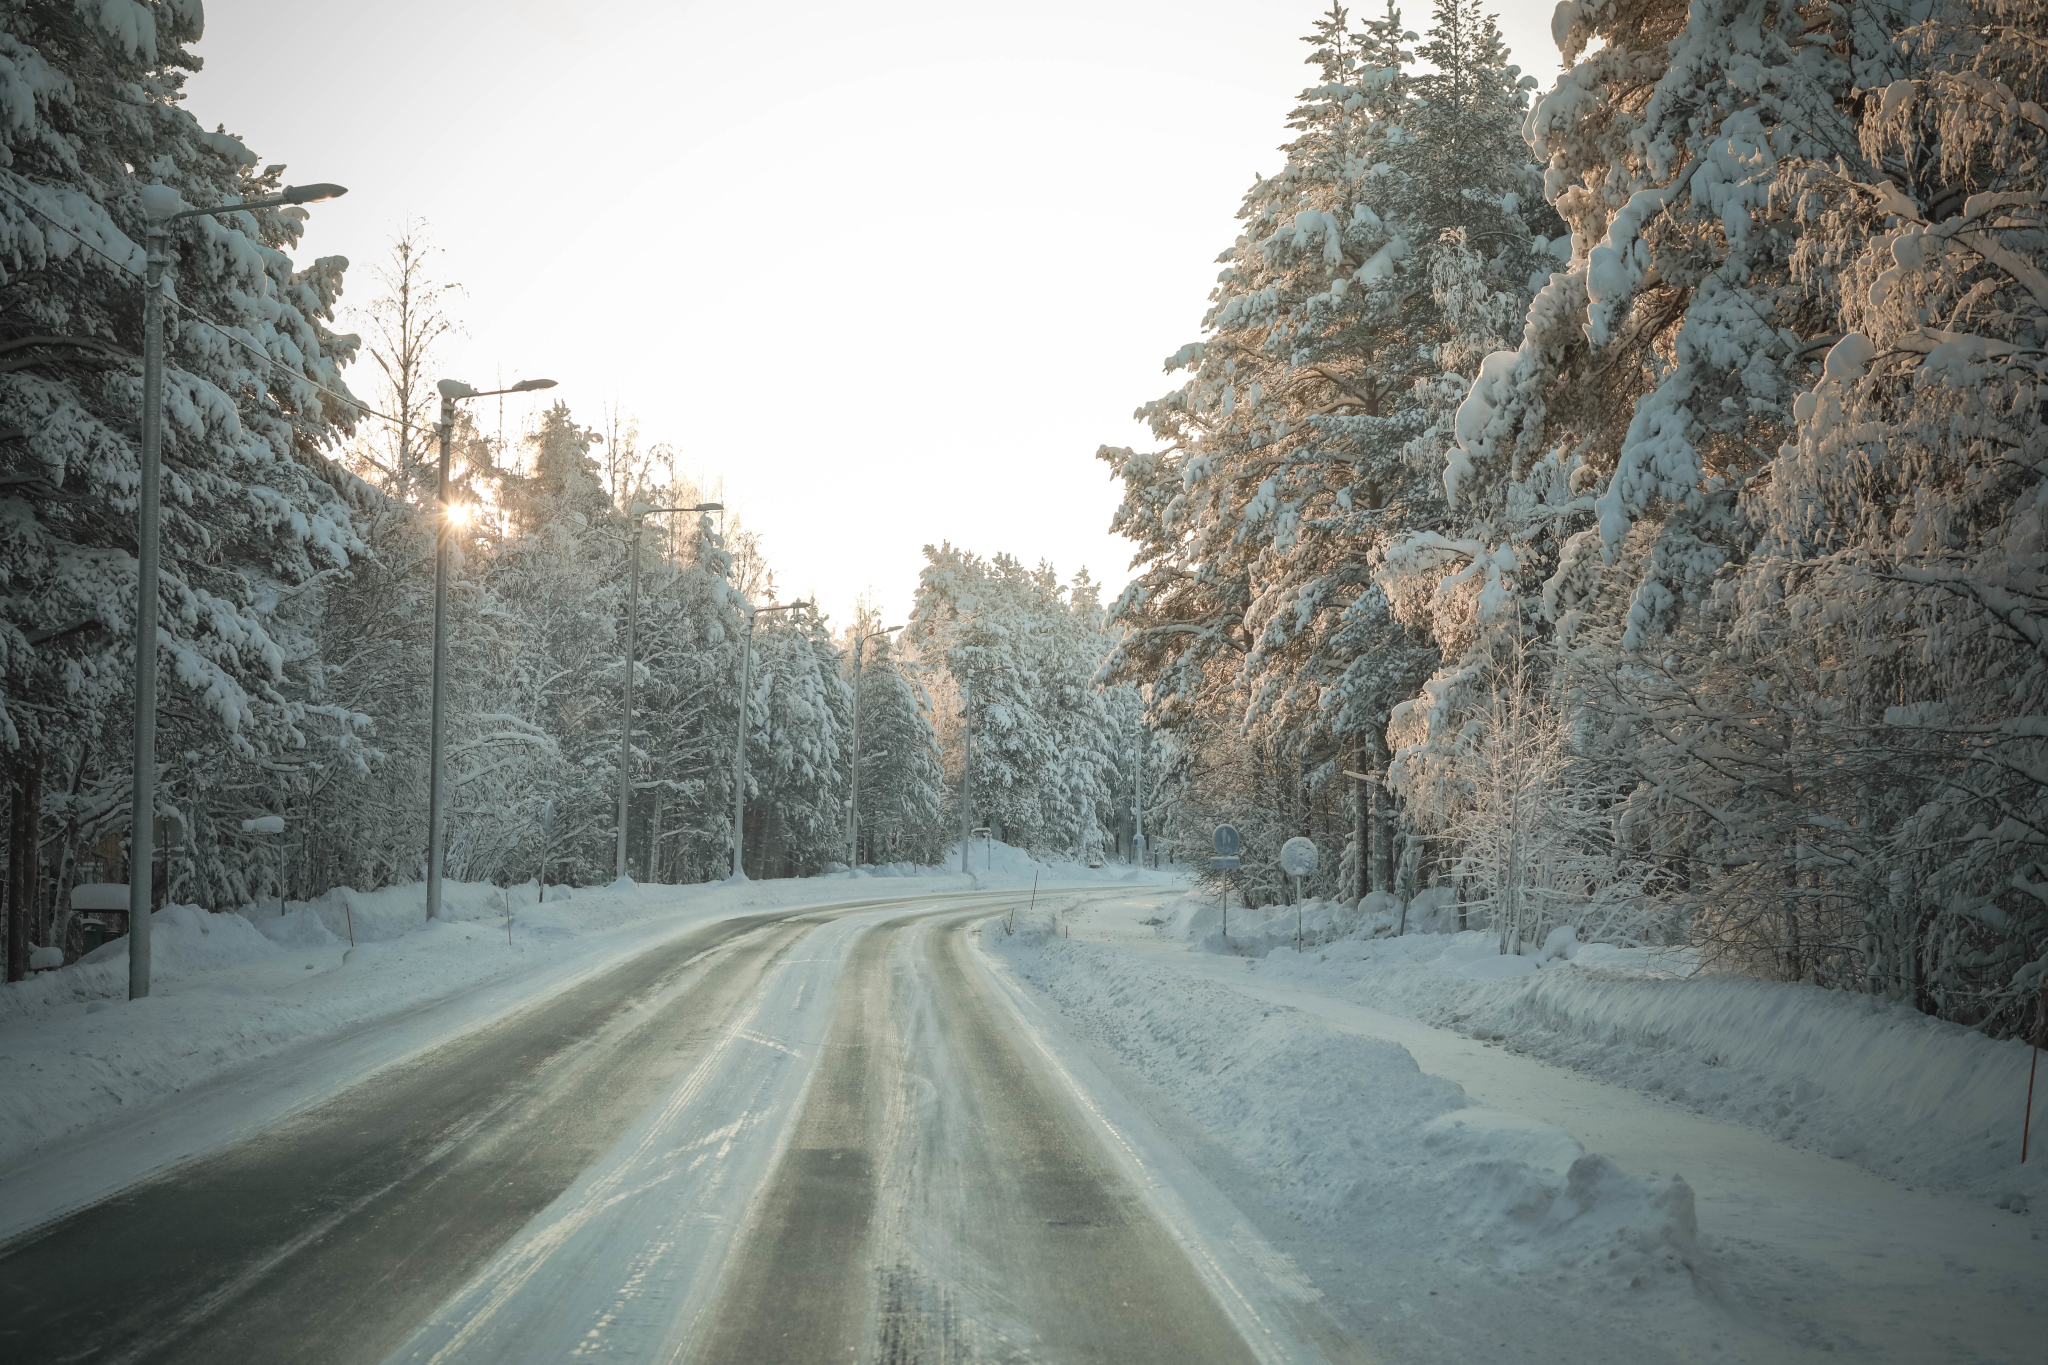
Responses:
[1226,841]
[1298,857]
[1223,864]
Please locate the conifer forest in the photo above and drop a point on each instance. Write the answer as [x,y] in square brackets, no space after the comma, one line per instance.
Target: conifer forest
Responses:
[1590,551]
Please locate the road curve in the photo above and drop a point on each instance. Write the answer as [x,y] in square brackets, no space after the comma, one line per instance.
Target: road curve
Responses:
[801,1136]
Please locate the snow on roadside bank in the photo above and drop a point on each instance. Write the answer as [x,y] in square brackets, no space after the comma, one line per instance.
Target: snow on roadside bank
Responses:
[1353,1135]
[226,990]
[1901,1094]
[231,988]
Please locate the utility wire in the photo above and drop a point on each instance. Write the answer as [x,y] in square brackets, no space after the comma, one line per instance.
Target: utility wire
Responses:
[204,321]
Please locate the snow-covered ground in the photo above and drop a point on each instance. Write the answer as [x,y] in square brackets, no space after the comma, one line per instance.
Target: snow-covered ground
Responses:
[230,988]
[1891,1089]
[1380,1135]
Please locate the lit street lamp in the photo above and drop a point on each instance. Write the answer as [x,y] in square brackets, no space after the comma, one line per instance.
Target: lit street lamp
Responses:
[638,510]
[739,755]
[853,794]
[451,390]
[160,209]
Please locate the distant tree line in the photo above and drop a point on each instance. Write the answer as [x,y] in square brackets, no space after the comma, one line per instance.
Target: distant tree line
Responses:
[297,583]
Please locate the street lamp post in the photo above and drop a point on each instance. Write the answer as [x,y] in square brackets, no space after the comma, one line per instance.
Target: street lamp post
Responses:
[739,748]
[853,792]
[451,390]
[160,209]
[634,514]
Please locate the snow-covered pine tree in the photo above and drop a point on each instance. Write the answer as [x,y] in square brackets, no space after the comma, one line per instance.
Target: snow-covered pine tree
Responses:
[800,722]
[902,783]
[692,621]
[1029,649]
[1876,676]
[1308,444]
[252,515]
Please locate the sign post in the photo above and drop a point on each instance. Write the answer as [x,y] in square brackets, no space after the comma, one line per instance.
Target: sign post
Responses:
[1297,860]
[1226,861]
[547,834]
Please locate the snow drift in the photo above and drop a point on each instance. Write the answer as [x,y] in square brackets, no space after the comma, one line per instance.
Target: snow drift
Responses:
[1899,1092]
[1351,1131]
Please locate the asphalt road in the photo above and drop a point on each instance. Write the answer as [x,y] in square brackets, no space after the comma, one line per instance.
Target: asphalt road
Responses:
[801,1136]
[941,1200]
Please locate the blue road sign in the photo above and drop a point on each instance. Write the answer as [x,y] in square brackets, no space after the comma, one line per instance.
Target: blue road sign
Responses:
[1226,841]
[1223,864]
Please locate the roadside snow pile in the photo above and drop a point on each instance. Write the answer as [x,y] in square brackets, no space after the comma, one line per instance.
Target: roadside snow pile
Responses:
[1859,1078]
[228,988]
[1351,1132]
[1255,932]
[186,941]
[1000,864]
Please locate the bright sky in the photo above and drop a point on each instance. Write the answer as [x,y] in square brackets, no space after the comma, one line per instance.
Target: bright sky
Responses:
[894,269]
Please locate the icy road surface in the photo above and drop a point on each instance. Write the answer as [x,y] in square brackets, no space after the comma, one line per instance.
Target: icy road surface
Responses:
[809,1135]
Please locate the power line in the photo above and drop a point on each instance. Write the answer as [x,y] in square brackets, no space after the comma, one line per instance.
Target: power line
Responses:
[204,321]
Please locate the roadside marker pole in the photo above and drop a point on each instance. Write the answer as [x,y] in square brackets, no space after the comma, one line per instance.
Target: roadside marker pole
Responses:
[2027,1123]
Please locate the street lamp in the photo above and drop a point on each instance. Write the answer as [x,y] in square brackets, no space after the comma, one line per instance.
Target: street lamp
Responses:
[739,753]
[160,210]
[853,793]
[451,390]
[633,515]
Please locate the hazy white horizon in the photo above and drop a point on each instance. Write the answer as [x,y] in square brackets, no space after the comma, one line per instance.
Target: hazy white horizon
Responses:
[894,271]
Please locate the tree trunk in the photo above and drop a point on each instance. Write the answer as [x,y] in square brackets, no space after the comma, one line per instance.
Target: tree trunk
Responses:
[67,859]
[1361,828]
[24,818]
[652,867]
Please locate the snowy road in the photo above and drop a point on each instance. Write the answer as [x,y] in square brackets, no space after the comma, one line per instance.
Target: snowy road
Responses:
[808,1135]
[889,1131]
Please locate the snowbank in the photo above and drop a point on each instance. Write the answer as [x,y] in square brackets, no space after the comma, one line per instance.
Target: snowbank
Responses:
[999,864]
[1262,929]
[227,988]
[1352,1134]
[1899,1093]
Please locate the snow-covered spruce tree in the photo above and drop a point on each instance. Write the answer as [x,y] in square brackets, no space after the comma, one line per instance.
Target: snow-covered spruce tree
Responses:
[691,622]
[1308,442]
[1894,595]
[1789,594]
[1027,648]
[800,719]
[560,580]
[902,783]
[92,114]
[1603,458]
